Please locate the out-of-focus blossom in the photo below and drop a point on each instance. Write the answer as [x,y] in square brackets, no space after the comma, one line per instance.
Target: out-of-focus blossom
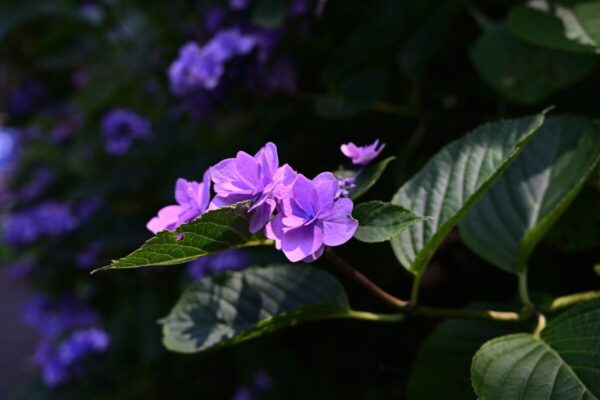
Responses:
[27,98]
[238,5]
[88,207]
[261,384]
[121,128]
[88,257]
[192,200]
[311,218]
[8,149]
[48,218]
[214,17]
[230,260]
[301,7]
[40,181]
[362,155]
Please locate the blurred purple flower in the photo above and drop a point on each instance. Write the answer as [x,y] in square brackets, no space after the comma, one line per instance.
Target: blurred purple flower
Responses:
[120,128]
[244,393]
[40,181]
[81,343]
[88,207]
[8,149]
[299,8]
[88,257]
[192,200]
[261,381]
[362,155]
[258,179]
[345,184]
[311,218]
[230,260]
[27,98]
[238,5]
[214,18]
[54,218]
[52,317]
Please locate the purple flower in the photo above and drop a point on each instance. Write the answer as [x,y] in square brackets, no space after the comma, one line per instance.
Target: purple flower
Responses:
[52,317]
[311,218]
[8,149]
[20,229]
[214,17]
[345,184]
[362,155]
[238,5]
[243,393]
[81,343]
[39,182]
[54,218]
[192,200]
[258,179]
[27,98]
[230,260]
[120,128]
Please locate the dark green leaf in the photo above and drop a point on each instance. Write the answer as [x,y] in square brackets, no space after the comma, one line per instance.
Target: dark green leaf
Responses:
[441,369]
[453,181]
[509,221]
[368,178]
[524,73]
[542,28]
[214,231]
[228,309]
[379,221]
[562,363]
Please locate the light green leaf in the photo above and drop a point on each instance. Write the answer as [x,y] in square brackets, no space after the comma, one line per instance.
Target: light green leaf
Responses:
[368,178]
[441,368]
[379,221]
[235,307]
[552,26]
[453,181]
[562,363]
[509,221]
[212,232]
[523,73]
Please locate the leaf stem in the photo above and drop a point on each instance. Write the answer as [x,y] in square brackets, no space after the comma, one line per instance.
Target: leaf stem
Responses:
[572,299]
[409,308]
[414,293]
[369,316]
[523,289]
[541,324]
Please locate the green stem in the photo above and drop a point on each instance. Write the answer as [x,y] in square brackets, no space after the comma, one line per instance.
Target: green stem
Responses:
[414,293]
[523,289]
[369,316]
[572,299]
[541,324]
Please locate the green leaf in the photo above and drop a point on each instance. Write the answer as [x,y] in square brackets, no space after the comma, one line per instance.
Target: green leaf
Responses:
[441,368]
[453,181]
[509,221]
[523,73]
[562,363]
[228,309]
[368,178]
[380,221]
[537,24]
[214,231]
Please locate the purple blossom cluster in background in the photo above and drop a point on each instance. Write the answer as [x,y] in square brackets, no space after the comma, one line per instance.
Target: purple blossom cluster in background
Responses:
[236,52]
[261,385]
[68,335]
[230,260]
[50,218]
[121,128]
[302,216]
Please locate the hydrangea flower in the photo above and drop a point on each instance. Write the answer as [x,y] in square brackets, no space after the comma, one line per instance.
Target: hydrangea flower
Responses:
[312,218]
[230,260]
[192,200]
[8,149]
[238,5]
[202,67]
[50,217]
[258,179]
[120,128]
[362,155]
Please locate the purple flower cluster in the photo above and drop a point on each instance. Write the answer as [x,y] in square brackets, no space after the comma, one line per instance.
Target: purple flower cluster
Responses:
[49,218]
[302,216]
[121,128]
[68,333]
[8,149]
[362,155]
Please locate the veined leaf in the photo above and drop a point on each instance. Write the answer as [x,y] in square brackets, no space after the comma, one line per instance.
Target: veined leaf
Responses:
[562,363]
[509,221]
[214,231]
[228,309]
[441,368]
[523,73]
[453,181]
[379,221]
[368,178]
[550,25]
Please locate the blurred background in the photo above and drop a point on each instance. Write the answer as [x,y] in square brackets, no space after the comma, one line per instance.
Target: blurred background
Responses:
[104,104]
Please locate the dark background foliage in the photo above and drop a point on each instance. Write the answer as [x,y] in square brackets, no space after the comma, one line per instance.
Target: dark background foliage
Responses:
[416,74]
